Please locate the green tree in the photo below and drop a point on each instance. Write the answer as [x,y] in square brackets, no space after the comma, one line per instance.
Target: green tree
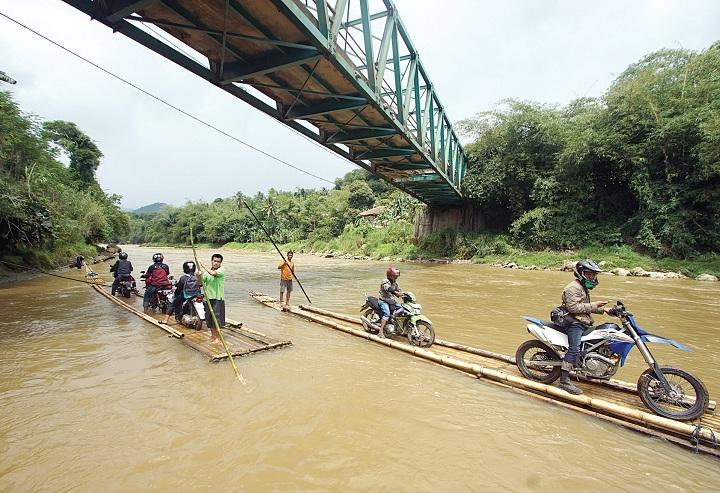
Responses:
[84,153]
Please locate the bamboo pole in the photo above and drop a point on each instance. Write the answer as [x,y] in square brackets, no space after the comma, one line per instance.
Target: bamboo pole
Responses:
[240,326]
[612,383]
[355,320]
[215,321]
[148,318]
[292,271]
[601,405]
[626,424]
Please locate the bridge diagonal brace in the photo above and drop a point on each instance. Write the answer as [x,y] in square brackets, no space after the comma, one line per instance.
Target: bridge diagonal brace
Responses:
[362,134]
[419,178]
[387,152]
[118,9]
[401,166]
[241,70]
[301,113]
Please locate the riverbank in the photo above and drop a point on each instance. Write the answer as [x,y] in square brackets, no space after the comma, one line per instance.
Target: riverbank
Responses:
[620,261]
[33,263]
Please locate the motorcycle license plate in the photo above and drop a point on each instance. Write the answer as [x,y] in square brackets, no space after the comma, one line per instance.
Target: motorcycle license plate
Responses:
[200,309]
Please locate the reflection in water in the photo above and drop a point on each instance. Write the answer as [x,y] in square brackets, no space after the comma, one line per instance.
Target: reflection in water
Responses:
[94,399]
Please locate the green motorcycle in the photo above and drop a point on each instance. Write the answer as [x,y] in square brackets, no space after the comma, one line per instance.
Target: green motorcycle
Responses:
[405,320]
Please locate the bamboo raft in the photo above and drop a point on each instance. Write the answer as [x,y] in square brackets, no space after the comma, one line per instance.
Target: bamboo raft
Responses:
[240,340]
[614,400]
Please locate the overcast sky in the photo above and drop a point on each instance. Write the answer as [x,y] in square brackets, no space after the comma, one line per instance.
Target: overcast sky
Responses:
[476,53]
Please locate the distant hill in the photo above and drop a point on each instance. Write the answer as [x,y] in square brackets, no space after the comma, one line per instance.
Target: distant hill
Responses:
[149,209]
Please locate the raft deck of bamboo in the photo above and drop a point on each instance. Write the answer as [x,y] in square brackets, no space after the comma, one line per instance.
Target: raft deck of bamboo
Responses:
[614,400]
[240,340]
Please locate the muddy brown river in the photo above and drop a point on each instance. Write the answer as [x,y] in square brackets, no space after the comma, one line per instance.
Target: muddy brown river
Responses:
[95,399]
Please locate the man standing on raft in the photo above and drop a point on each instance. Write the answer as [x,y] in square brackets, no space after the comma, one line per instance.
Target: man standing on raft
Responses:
[213,281]
[287,268]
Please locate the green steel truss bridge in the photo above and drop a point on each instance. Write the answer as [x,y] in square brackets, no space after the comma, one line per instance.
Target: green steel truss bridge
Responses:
[342,72]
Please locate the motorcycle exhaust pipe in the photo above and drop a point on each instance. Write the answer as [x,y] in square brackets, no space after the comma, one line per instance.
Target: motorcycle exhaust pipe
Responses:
[367,322]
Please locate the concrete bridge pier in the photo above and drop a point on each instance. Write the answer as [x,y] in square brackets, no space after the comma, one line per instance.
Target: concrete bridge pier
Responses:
[463,218]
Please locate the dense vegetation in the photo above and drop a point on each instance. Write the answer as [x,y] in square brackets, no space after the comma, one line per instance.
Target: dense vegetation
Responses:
[49,212]
[633,177]
[640,166]
[313,219]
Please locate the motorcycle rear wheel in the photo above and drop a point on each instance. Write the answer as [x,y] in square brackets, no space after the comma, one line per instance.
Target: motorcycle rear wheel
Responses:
[688,400]
[534,352]
[371,315]
[425,335]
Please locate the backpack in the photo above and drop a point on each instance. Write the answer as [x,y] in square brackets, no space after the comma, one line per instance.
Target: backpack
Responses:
[158,276]
[191,288]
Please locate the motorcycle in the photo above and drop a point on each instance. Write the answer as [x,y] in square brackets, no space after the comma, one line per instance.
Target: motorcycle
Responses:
[162,298]
[667,391]
[127,287]
[193,312]
[405,320]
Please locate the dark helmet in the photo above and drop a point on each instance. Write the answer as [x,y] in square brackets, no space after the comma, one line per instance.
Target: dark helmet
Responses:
[123,255]
[189,267]
[158,257]
[583,266]
[392,272]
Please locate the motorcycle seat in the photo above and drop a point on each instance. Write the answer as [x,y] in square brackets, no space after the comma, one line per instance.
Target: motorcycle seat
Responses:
[555,326]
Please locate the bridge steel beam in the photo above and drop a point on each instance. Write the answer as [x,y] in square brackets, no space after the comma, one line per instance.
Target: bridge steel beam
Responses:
[372,53]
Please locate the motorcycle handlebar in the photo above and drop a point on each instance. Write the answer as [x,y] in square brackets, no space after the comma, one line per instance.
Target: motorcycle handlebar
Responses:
[615,311]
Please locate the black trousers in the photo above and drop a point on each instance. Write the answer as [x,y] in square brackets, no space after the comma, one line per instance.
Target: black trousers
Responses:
[218,307]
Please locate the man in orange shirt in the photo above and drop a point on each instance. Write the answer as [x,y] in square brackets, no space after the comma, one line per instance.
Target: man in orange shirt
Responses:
[286,276]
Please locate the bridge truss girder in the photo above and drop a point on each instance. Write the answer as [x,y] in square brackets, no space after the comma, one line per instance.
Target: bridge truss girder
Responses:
[342,72]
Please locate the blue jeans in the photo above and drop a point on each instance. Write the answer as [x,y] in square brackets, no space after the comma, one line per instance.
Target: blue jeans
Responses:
[385,307]
[574,333]
[147,297]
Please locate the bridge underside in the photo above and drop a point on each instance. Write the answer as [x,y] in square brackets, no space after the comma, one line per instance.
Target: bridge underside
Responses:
[304,64]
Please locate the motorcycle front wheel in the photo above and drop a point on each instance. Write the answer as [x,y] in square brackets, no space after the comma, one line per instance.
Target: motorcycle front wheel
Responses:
[371,315]
[422,335]
[530,357]
[687,399]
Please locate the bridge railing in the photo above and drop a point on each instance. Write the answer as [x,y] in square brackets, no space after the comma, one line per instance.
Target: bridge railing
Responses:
[371,37]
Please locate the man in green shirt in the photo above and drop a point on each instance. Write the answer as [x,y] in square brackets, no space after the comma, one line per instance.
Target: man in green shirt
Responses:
[213,281]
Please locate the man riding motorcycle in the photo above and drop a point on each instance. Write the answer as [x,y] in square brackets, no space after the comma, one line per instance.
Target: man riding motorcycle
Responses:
[576,300]
[388,291]
[156,277]
[121,271]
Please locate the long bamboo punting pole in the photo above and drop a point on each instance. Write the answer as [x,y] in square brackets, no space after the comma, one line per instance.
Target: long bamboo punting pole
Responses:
[148,318]
[214,318]
[292,271]
[600,405]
